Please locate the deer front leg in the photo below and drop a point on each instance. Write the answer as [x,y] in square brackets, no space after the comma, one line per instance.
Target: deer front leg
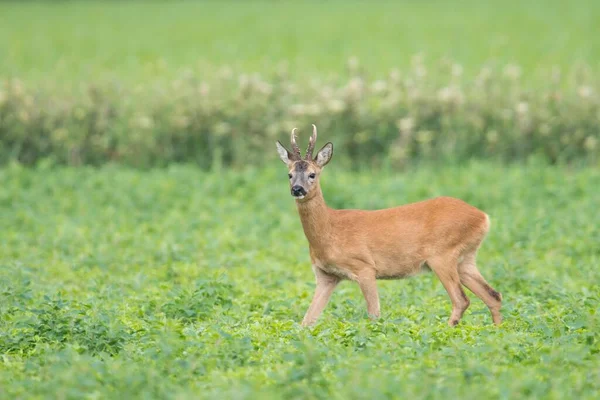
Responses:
[368,285]
[325,285]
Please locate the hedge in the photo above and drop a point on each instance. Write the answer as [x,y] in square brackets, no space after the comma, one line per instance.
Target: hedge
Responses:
[233,120]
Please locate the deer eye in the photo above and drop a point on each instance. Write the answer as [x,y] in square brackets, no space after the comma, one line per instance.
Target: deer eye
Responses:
[290,176]
[312,176]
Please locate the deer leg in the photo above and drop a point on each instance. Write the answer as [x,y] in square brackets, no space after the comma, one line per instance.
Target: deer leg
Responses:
[325,285]
[474,281]
[368,285]
[447,271]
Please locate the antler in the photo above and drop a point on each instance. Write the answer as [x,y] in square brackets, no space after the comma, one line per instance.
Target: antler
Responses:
[311,143]
[295,148]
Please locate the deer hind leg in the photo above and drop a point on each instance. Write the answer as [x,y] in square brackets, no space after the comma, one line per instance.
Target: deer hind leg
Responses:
[474,281]
[447,271]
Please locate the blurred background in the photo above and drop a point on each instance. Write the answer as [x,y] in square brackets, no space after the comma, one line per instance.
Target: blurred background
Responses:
[146,83]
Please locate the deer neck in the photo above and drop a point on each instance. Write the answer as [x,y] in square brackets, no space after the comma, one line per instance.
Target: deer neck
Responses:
[316,218]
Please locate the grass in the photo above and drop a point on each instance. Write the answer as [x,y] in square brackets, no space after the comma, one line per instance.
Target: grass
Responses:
[138,41]
[176,283]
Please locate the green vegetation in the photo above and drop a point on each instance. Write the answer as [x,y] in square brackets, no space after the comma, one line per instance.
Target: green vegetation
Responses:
[135,263]
[398,120]
[179,283]
[142,40]
[151,83]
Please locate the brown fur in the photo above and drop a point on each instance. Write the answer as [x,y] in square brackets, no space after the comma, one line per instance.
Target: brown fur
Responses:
[442,234]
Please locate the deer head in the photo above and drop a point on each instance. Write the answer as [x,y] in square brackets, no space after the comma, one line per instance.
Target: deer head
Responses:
[303,173]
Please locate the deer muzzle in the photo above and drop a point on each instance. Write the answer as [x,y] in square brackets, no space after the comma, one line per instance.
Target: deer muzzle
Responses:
[298,191]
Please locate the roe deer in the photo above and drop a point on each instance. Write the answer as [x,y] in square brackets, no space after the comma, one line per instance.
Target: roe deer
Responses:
[441,234]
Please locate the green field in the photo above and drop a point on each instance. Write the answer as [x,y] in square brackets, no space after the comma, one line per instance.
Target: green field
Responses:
[82,40]
[205,82]
[149,247]
[175,283]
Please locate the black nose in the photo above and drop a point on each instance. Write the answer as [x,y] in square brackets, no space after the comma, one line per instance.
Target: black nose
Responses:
[298,190]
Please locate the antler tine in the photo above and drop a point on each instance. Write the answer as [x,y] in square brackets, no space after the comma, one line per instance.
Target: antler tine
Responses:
[311,143]
[295,147]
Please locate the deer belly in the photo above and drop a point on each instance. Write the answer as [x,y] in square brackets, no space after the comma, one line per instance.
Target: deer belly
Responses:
[342,273]
[402,270]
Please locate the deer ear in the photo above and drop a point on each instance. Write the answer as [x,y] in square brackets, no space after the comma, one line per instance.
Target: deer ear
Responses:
[324,155]
[284,153]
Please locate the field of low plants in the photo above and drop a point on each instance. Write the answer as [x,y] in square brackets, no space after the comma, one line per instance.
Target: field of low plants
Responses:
[175,283]
[149,247]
